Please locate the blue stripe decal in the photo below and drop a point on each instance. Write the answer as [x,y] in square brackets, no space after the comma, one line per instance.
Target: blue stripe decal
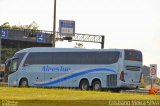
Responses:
[74,75]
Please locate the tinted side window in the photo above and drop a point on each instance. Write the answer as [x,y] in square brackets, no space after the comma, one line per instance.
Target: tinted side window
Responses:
[72,58]
[76,58]
[107,57]
[39,58]
[92,57]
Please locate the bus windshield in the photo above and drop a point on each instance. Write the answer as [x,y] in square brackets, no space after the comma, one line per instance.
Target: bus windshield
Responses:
[15,61]
[12,64]
[133,55]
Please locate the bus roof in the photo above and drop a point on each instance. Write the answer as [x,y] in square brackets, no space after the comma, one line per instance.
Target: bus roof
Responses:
[51,49]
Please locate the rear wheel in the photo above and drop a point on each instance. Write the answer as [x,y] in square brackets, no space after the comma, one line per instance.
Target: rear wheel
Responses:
[96,85]
[23,82]
[84,85]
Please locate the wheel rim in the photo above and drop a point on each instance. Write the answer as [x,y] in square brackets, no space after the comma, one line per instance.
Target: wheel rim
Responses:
[97,86]
[24,83]
[84,86]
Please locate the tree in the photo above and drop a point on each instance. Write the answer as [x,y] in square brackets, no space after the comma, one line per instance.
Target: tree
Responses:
[32,26]
[6,25]
[142,83]
[18,27]
[8,52]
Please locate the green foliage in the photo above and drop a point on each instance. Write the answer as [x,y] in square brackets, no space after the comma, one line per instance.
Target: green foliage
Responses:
[65,97]
[10,93]
[147,80]
[143,85]
[6,25]
[7,53]
[146,76]
[18,27]
[32,26]
[157,81]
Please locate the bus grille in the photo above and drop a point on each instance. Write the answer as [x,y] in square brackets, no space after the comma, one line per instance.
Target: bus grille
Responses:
[112,80]
[133,68]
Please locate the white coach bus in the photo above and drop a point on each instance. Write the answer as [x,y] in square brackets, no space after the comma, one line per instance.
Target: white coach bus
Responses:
[83,68]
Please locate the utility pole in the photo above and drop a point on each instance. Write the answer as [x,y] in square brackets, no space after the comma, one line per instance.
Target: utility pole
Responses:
[102,43]
[54,26]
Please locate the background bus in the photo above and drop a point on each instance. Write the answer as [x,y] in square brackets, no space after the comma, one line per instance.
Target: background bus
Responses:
[83,68]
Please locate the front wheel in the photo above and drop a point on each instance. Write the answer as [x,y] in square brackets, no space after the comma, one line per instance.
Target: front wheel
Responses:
[84,85]
[23,83]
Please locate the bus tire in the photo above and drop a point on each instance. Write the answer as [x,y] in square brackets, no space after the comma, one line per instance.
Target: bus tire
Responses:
[23,82]
[84,84]
[96,85]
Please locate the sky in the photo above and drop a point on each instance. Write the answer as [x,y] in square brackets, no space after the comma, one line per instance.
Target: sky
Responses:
[127,24]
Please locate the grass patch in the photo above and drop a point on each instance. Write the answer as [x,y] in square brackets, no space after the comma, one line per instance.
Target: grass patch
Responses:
[48,97]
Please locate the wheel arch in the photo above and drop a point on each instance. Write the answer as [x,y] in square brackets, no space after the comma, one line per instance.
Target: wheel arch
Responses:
[96,79]
[23,79]
[82,79]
